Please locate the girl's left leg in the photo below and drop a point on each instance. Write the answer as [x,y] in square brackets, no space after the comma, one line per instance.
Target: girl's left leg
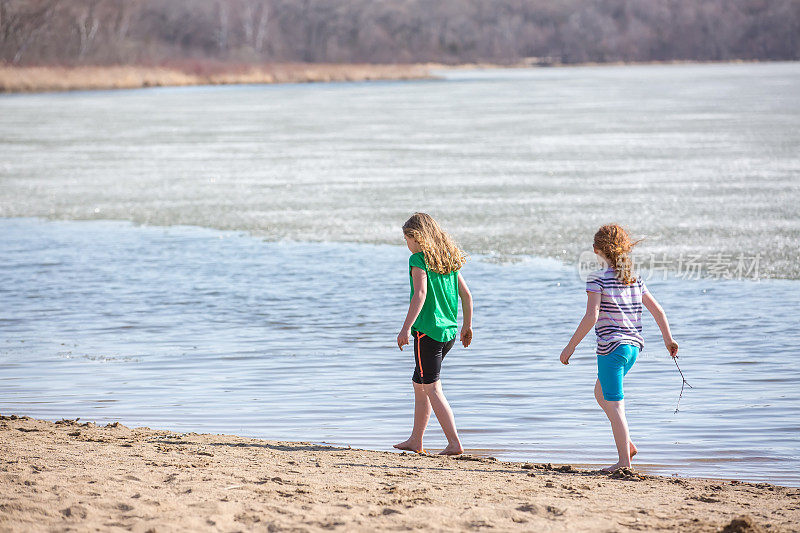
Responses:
[598,395]
[422,413]
[619,425]
[611,369]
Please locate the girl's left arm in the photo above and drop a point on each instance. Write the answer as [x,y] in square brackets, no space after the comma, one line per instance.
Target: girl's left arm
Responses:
[466,306]
[420,279]
[585,326]
[663,324]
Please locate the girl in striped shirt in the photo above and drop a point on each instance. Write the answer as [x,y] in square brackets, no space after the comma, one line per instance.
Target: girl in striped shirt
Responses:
[614,308]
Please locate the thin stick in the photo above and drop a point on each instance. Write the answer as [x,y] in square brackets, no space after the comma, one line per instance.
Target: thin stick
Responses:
[682,385]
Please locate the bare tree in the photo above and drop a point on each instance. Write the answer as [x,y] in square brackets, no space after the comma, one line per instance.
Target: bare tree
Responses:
[87,24]
[501,31]
[21,23]
[122,18]
[255,16]
[223,31]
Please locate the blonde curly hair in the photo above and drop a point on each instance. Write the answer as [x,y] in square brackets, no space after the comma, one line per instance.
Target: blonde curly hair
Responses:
[442,255]
[615,244]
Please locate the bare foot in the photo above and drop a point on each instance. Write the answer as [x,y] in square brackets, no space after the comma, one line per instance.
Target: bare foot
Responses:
[633,450]
[411,446]
[452,449]
[615,467]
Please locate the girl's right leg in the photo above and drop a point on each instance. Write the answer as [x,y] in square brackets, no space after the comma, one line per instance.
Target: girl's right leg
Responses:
[445,417]
[428,395]
[422,413]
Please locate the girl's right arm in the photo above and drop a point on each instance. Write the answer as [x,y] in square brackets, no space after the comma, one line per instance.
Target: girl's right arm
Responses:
[661,319]
[587,323]
[466,306]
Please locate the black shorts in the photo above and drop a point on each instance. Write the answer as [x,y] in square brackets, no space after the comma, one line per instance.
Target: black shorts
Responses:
[428,355]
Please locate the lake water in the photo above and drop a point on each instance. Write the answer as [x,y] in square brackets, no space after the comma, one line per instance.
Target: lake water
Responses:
[261,284]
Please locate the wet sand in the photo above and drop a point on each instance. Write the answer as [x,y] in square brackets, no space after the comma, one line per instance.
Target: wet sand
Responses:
[75,476]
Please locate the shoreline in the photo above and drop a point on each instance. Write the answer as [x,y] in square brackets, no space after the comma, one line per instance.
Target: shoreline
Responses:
[535,63]
[44,79]
[73,474]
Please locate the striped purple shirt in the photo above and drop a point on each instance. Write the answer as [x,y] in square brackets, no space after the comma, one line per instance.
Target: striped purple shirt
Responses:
[620,318]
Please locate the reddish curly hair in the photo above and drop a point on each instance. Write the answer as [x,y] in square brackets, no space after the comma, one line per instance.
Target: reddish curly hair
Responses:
[614,243]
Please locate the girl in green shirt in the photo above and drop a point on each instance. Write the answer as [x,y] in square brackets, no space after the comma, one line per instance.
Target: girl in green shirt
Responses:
[436,286]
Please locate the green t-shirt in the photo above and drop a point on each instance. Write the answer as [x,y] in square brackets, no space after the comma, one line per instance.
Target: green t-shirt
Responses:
[439,313]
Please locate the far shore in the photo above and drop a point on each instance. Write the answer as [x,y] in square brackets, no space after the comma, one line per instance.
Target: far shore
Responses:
[73,475]
[33,79]
[53,78]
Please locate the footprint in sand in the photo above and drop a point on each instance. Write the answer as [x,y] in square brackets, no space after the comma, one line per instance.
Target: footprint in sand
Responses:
[75,511]
[247,518]
[555,511]
[704,499]
[478,524]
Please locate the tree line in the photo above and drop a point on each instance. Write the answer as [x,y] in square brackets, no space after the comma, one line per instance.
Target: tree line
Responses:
[99,32]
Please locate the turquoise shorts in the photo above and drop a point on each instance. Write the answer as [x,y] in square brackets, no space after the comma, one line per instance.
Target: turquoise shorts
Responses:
[612,367]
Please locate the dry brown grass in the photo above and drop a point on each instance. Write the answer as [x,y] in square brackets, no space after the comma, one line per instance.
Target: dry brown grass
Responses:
[40,79]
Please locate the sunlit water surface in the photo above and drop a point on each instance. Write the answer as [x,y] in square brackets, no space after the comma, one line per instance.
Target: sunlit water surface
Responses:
[195,329]
[292,337]
[700,159]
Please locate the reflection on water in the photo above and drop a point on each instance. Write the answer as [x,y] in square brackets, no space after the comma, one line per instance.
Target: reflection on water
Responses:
[195,329]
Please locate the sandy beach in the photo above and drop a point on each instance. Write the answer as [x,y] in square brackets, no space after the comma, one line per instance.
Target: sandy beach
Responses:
[74,476]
